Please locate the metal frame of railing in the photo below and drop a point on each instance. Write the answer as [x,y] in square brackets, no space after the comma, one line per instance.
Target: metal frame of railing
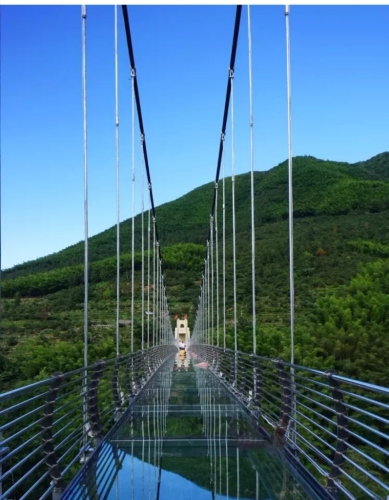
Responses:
[51,427]
[330,427]
[95,481]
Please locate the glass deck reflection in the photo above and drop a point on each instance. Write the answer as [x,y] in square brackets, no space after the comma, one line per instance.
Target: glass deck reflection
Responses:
[187,438]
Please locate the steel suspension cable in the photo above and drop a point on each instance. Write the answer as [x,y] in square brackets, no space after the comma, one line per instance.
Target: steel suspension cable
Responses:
[1,434]
[154,257]
[224,258]
[148,278]
[290,186]
[140,120]
[143,258]
[212,282]
[138,106]
[132,206]
[251,123]
[221,146]
[0,178]
[233,212]
[290,192]
[160,301]
[227,102]
[86,277]
[156,299]
[117,185]
[217,272]
[208,296]
[83,73]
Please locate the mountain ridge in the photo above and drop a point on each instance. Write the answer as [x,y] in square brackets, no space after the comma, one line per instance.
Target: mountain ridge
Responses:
[186,219]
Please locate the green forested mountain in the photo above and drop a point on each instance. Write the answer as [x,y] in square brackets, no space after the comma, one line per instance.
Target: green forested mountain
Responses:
[320,188]
[341,245]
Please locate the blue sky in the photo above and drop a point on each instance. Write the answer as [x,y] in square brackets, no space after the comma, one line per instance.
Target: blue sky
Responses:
[340,105]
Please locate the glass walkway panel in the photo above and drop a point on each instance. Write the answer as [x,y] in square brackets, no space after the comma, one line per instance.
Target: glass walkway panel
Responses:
[187,437]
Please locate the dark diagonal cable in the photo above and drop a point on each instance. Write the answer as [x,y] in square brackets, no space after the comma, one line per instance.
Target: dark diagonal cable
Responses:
[142,132]
[225,115]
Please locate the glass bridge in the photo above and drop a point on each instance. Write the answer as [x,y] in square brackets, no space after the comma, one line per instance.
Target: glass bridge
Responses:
[188,438]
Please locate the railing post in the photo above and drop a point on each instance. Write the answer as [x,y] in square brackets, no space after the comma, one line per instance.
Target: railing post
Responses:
[93,410]
[286,399]
[257,385]
[116,389]
[217,360]
[341,435]
[138,372]
[223,365]
[47,436]
[129,377]
[242,380]
[232,374]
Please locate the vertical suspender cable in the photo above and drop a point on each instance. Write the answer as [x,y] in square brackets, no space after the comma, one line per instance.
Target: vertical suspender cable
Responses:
[83,72]
[208,297]
[117,185]
[251,122]
[290,184]
[206,300]
[157,298]
[233,210]
[224,258]
[143,258]
[83,20]
[212,284]
[1,434]
[160,301]
[290,191]
[0,182]
[217,272]
[203,310]
[148,278]
[132,204]
[154,284]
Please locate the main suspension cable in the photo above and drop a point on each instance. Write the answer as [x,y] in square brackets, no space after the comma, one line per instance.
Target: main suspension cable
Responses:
[220,155]
[143,143]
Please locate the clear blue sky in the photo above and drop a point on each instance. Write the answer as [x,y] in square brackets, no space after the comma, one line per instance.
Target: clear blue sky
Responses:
[340,105]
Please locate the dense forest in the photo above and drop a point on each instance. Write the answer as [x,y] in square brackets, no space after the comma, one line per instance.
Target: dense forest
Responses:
[341,274]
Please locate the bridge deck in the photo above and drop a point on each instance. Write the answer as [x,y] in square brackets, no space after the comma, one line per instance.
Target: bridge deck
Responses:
[186,437]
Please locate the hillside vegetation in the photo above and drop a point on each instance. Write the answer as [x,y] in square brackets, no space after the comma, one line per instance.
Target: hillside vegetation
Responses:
[341,286]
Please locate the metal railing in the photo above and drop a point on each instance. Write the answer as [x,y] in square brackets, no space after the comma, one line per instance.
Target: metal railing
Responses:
[332,428]
[48,429]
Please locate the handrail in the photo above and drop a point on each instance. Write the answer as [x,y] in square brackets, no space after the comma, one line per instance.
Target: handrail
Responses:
[341,425]
[36,456]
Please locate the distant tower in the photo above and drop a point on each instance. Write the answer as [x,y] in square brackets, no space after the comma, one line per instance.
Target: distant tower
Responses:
[182,332]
